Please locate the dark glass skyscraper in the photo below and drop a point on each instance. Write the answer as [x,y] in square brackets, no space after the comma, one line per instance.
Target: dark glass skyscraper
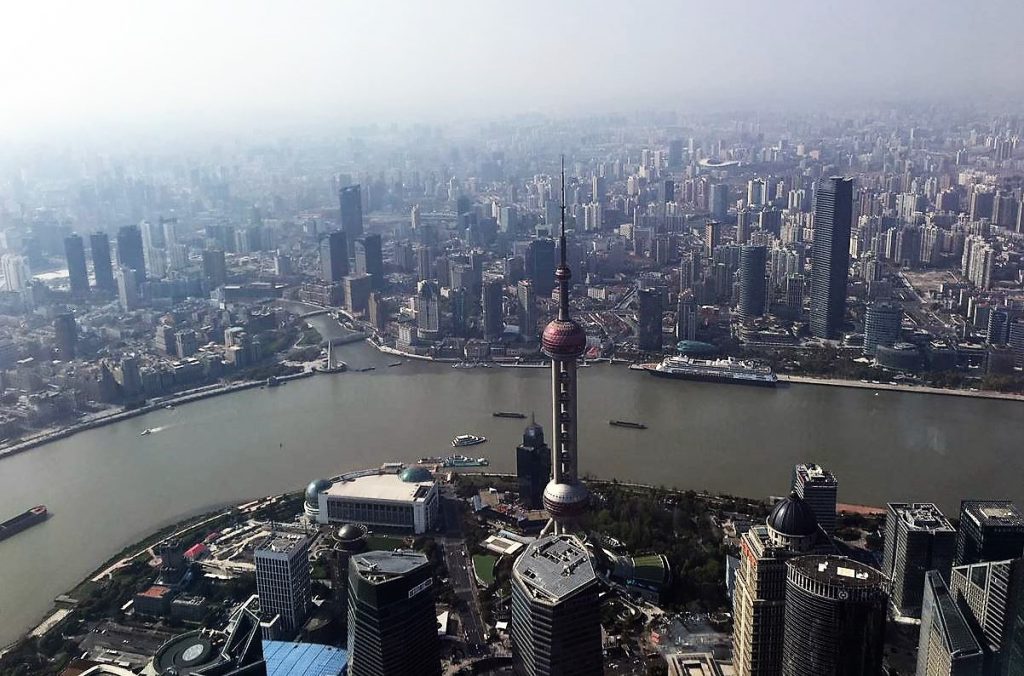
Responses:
[947,645]
[540,259]
[333,257]
[753,288]
[102,267]
[350,199]
[830,255]
[78,273]
[370,260]
[990,530]
[533,466]
[392,626]
[918,538]
[129,251]
[649,318]
[494,318]
[835,617]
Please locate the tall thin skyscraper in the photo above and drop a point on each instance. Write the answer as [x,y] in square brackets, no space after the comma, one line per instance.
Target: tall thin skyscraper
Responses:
[835,617]
[130,251]
[533,466]
[830,255]
[649,318]
[556,609]
[753,287]
[990,530]
[947,646]
[78,273]
[494,317]
[527,310]
[540,258]
[819,487]
[370,260]
[333,257]
[350,199]
[102,266]
[564,341]
[282,579]
[392,625]
[918,538]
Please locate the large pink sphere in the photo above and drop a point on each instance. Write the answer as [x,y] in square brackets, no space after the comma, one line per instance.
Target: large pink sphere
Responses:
[564,339]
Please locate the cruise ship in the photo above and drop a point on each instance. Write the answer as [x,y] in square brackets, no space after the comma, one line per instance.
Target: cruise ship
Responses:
[727,370]
[467,440]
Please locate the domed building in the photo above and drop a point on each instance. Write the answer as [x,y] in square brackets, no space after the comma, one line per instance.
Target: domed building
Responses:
[403,498]
[313,491]
[792,524]
[415,474]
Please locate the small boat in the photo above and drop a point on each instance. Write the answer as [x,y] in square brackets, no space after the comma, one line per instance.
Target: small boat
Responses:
[169,407]
[431,460]
[467,440]
[508,414]
[146,432]
[463,461]
[395,363]
[627,423]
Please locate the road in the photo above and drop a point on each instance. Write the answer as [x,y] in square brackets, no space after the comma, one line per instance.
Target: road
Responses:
[460,576]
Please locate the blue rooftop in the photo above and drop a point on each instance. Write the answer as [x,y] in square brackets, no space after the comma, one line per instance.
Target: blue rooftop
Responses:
[303,659]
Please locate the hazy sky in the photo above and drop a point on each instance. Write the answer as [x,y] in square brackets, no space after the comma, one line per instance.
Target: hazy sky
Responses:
[88,62]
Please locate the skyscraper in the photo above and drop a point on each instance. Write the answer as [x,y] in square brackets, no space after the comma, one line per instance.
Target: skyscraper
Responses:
[556,618]
[127,288]
[65,331]
[686,317]
[540,258]
[78,273]
[564,341]
[282,579]
[428,310]
[351,200]
[370,260]
[991,595]
[526,304]
[392,626]
[718,200]
[649,317]
[533,466]
[712,237]
[835,617]
[753,288]
[16,271]
[759,600]
[494,314]
[918,538]
[819,488]
[102,267]
[130,251]
[881,325]
[990,530]
[947,646]
[333,257]
[215,270]
[830,255]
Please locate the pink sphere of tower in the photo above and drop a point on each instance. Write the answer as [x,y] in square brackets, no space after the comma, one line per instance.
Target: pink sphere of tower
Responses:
[564,339]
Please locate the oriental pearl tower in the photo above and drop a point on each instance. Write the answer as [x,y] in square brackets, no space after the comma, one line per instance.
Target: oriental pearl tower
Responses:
[564,341]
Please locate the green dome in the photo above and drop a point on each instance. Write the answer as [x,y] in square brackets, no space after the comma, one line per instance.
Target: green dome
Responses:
[415,475]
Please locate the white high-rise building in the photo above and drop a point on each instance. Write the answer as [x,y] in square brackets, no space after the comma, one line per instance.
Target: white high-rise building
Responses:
[282,579]
[16,272]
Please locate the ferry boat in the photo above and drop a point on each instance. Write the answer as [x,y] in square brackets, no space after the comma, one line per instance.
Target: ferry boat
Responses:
[508,414]
[26,519]
[431,460]
[467,440]
[726,370]
[627,423]
[463,461]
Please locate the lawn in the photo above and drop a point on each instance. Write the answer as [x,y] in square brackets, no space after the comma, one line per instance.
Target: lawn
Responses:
[484,565]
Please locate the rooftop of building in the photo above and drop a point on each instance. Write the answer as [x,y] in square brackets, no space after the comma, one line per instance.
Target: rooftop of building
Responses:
[921,516]
[992,513]
[815,473]
[838,571]
[696,664]
[303,659]
[282,543]
[378,566]
[388,487]
[156,591]
[555,567]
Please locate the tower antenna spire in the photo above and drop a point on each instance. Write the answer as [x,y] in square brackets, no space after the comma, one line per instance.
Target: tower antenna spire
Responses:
[563,274]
